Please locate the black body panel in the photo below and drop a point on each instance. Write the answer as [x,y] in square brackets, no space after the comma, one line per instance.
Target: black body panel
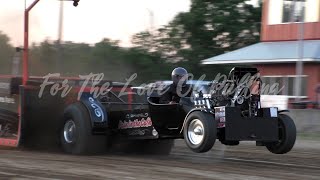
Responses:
[9,107]
[238,128]
[168,119]
[42,118]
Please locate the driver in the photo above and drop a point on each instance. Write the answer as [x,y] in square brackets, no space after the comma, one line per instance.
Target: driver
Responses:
[179,87]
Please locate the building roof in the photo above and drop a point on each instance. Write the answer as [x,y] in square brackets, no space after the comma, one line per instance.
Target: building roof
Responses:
[270,52]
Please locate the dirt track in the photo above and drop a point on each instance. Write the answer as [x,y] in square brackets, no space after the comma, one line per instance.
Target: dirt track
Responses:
[240,162]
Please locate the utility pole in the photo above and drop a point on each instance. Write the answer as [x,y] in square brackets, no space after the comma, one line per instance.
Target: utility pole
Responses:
[151,16]
[60,34]
[151,28]
[299,64]
[15,71]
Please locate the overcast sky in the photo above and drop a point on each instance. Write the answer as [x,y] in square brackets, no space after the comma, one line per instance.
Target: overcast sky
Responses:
[90,22]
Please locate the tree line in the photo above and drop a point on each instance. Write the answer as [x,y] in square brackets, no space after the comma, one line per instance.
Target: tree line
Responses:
[209,28]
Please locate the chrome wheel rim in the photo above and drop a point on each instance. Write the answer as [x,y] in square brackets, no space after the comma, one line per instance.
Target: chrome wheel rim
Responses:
[196,132]
[69,131]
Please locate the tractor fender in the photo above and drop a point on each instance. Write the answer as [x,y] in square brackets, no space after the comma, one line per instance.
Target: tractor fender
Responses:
[191,111]
[97,112]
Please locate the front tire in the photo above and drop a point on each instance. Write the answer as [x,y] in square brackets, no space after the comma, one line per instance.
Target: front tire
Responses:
[287,136]
[200,131]
[76,136]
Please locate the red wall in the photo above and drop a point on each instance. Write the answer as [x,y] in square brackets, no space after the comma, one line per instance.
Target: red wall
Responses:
[312,70]
[285,32]
[288,32]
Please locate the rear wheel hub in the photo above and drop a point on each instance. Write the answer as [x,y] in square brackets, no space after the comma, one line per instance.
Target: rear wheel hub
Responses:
[69,131]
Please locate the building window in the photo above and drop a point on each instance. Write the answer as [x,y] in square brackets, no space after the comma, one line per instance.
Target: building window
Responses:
[283,85]
[293,11]
[286,11]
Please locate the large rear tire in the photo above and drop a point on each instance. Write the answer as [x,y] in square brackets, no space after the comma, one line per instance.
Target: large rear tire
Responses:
[76,136]
[200,131]
[287,136]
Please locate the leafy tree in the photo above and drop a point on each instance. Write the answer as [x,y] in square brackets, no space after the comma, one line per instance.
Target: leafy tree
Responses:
[148,66]
[6,54]
[210,28]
